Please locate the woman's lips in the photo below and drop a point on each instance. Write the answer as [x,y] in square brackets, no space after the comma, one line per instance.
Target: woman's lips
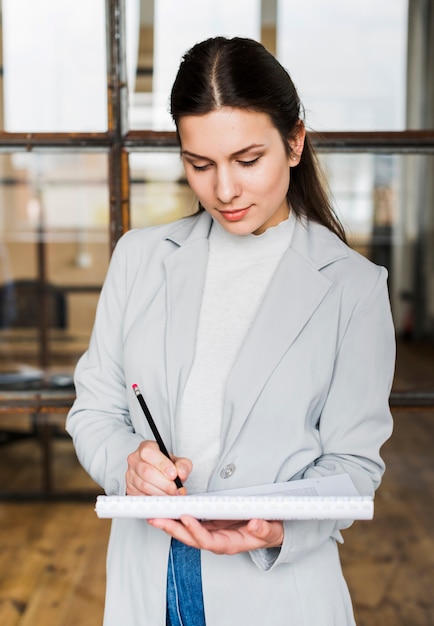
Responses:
[235,216]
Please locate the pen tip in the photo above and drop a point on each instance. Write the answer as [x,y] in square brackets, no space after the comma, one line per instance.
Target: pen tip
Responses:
[134,386]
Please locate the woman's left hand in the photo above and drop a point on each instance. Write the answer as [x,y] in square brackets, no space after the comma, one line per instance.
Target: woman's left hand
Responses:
[223,536]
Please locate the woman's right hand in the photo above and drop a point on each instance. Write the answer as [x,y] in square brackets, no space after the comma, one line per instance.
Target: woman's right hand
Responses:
[151,473]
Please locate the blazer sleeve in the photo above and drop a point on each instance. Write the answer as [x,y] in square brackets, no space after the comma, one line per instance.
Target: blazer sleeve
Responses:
[99,420]
[355,420]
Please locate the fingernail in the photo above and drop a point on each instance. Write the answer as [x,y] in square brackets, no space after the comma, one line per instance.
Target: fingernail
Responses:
[155,523]
[256,526]
[171,473]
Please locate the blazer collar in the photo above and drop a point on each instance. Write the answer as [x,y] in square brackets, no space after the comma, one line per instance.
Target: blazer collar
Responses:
[190,229]
[315,243]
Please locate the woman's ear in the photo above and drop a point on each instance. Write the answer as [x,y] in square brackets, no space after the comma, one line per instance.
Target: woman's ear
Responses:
[296,144]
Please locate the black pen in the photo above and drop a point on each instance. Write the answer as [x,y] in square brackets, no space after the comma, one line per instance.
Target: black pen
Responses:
[154,429]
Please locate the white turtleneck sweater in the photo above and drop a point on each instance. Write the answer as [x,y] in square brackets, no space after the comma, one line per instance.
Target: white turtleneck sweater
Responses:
[238,273]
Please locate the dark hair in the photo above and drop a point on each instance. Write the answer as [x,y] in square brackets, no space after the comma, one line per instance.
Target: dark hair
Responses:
[241,73]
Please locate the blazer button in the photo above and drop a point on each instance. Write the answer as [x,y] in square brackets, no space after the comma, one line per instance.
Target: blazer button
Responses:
[227,470]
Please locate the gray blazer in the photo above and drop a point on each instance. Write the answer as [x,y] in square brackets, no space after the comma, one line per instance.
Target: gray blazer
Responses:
[307,396]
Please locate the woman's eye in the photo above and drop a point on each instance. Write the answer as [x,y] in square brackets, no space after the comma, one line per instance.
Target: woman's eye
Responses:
[249,163]
[206,166]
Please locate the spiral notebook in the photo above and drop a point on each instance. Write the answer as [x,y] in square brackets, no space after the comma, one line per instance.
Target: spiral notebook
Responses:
[323,498]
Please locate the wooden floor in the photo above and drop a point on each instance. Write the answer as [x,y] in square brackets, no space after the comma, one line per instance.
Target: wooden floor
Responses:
[52,555]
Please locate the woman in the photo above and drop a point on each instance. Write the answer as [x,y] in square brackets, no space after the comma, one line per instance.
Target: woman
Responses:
[265,349]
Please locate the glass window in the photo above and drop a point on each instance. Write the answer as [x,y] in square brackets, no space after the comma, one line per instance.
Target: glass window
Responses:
[348,61]
[159,192]
[166,32]
[54,65]
[371,194]
[54,254]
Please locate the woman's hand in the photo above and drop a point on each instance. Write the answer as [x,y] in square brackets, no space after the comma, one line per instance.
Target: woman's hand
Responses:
[223,536]
[151,473]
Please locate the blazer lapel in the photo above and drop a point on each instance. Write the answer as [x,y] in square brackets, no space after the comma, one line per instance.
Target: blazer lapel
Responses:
[185,275]
[296,290]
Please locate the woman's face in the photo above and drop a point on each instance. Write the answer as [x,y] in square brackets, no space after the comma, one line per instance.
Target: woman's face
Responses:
[236,164]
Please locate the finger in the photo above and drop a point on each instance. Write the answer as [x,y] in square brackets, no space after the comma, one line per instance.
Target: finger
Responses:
[231,537]
[258,528]
[150,472]
[139,487]
[224,540]
[270,533]
[175,529]
[183,467]
[151,454]
[145,479]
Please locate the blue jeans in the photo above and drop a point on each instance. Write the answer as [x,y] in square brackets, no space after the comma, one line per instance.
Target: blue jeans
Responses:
[184,587]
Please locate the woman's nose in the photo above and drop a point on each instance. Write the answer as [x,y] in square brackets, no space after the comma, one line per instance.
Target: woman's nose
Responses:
[227,186]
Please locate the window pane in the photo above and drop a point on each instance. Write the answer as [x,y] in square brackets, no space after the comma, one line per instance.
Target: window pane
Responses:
[348,61]
[158,193]
[384,202]
[167,30]
[54,230]
[54,65]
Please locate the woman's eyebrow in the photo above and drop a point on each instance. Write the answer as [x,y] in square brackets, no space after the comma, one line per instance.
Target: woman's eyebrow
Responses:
[234,155]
